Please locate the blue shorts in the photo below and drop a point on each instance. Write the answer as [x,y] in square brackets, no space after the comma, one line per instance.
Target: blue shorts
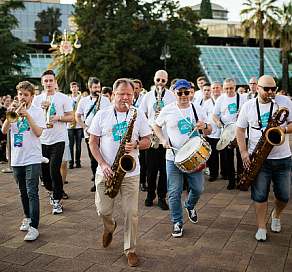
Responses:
[278,171]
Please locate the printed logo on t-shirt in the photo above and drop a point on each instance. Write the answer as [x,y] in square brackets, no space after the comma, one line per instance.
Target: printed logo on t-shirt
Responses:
[23,126]
[186,126]
[232,108]
[74,105]
[162,105]
[119,130]
[53,109]
[265,119]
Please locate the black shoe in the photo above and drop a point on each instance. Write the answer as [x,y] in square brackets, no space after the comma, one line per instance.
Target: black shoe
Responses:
[231,185]
[177,230]
[78,165]
[162,204]
[65,196]
[192,214]
[143,187]
[66,182]
[93,188]
[71,166]
[93,178]
[148,202]
[211,179]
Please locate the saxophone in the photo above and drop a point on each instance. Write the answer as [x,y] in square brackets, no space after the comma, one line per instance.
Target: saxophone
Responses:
[123,163]
[73,124]
[155,139]
[97,107]
[47,111]
[272,136]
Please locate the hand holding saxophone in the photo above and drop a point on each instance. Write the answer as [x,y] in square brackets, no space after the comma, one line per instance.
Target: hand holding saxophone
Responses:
[45,104]
[106,170]
[245,159]
[130,146]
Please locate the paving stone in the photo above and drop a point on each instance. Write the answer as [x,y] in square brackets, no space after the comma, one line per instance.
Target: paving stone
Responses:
[261,262]
[63,264]
[21,257]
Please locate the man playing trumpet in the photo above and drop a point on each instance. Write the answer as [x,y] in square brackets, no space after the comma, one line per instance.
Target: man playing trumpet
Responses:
[60,111]
[26,154]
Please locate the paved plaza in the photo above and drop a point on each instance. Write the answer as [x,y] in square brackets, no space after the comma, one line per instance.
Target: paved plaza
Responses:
[222,240]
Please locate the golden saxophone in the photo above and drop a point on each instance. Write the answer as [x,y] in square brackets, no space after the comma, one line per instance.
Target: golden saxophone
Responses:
[272,136]
[47,111]
[155,140]
[74,123]
[123,163]
[97,107]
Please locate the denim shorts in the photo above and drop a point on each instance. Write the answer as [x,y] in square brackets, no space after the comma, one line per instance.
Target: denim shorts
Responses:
[279,172]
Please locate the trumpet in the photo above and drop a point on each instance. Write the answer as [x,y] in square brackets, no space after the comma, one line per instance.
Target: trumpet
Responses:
[48,110]
[12,116]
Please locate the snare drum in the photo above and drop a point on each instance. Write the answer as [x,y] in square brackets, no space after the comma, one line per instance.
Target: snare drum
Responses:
[228,137]
[192,155]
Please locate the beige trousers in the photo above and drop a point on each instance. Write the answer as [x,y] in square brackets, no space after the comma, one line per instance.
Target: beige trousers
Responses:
[105,205]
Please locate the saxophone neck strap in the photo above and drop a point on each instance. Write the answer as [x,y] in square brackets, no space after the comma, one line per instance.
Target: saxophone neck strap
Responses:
[92,107]
[162,94]
[259,114]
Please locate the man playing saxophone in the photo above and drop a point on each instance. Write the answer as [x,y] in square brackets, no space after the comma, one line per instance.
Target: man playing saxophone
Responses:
[257,114]
[109,126]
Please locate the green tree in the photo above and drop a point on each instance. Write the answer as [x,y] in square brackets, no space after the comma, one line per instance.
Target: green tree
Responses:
[13,53]
[206,9]
[124,39]
[284,32]
[259,16]
[48,23]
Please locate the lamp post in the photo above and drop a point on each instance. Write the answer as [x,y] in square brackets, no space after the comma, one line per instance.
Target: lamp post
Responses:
[165,54]
[65,48]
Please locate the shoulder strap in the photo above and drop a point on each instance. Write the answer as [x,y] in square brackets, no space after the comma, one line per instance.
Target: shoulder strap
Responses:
[91,108]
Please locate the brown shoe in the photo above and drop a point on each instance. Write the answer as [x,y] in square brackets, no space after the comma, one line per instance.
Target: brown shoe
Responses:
[108,237]
[133,259]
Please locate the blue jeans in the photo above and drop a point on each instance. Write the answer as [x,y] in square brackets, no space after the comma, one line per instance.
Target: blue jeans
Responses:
[27,179]
[278,171]
[175,181]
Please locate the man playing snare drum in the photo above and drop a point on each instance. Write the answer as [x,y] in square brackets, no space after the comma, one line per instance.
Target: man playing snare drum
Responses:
[180,119]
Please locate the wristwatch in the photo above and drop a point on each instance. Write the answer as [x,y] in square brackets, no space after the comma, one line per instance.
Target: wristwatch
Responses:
[138,144]
[206,126]
[60,119]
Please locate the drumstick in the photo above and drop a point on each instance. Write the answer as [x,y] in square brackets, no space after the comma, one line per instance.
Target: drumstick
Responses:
[234,117]
[191,134]
[174,148]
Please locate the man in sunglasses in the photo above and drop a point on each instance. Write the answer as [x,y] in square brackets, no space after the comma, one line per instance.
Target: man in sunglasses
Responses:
[180,118]
[155,157]
[256,114]
[252,91]
[227,106]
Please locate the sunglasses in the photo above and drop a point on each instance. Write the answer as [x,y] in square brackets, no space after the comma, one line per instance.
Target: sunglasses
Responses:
[159,79]
[266,89]
[181,93]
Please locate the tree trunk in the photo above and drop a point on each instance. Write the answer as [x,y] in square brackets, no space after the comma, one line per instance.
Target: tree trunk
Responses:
[285,73]
[261,44]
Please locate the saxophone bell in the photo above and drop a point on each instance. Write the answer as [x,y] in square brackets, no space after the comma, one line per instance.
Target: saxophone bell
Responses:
[275,136]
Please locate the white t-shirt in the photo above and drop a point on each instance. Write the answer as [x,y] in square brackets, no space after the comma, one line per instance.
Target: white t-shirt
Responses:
[248,116]
[31,150]
[86,104]
[60,104]
[110,125]
[209,107]
[198,96]
[74,102]
[137,102]
[179,123]
[226,107]
[251,96]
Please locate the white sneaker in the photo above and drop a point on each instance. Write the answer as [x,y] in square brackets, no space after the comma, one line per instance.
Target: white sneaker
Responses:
[25,224]
[57,207]
[261,235]
[207,171]
[32,234]
[276,224]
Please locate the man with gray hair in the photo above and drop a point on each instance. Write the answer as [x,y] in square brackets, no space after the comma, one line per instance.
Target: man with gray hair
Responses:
[85,112]
[227,106]
[108,128]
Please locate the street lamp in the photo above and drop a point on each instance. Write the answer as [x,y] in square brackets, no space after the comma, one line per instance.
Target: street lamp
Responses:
[165,54]
[65,48]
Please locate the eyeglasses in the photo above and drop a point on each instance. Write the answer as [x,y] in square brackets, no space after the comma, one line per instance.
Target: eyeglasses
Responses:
[251,83]
[266,89]
[181,93]
[159,79]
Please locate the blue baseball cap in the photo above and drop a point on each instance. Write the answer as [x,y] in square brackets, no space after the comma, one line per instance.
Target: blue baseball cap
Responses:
[181,83]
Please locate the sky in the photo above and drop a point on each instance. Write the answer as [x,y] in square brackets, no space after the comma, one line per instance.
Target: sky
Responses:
[233,6]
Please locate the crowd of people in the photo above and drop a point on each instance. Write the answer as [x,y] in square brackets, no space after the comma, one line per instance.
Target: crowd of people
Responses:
[174,137]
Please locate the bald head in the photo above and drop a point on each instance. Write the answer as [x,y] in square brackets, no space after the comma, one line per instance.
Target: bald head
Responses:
[253,82]
[266,81]
[160,78]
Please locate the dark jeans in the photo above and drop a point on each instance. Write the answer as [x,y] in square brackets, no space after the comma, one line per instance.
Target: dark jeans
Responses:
[93,162]
[213,161]
[51,171]
[27,179]
[75,136]
[155,161]
[142,160]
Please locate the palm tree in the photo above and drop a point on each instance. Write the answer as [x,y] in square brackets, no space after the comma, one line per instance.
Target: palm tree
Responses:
[285,34]
[259,17]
